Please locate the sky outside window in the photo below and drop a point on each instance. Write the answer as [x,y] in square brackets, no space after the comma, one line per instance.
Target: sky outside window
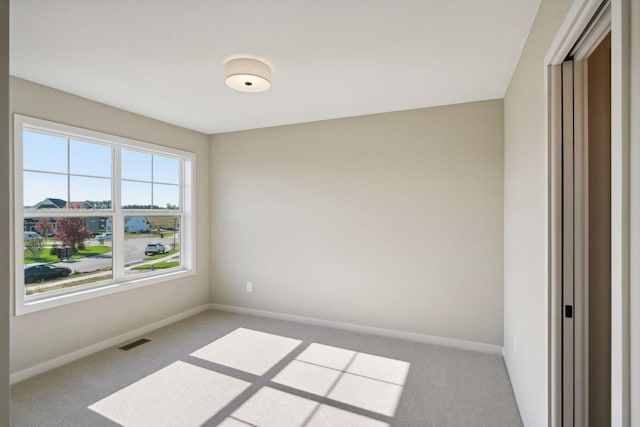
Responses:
[93,189]
[90,159]
[55,166]
[166,170]
[136,193]
[39,186]
[166,195]
[135,165]
[44,152]
[149,179]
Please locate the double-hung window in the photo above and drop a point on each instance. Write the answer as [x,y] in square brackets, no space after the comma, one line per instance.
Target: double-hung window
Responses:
[96,213]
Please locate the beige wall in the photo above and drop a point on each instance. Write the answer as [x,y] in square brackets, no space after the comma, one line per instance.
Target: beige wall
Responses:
[526,219]
[5,211]
[44,335]
[391,220]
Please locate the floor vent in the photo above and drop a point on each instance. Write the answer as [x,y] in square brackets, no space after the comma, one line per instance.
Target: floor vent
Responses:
[134,344]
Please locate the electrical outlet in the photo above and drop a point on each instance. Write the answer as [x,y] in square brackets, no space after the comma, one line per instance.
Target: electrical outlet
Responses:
[249,287]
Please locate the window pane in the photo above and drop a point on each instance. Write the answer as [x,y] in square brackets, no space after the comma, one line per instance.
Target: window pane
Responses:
[136,195]
[90,159]
[44,152]
[61,253]
[166,170]
[44,190]
[91,193]
[151,243]
[135,165]
[166,196]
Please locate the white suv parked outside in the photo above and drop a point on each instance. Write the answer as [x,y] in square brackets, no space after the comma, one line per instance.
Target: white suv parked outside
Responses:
[155,248]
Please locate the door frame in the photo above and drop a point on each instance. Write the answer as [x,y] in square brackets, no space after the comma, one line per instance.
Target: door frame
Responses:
[576,23]
[574,223]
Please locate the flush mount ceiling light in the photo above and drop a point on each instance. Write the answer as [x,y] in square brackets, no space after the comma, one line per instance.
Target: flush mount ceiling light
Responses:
[248,75]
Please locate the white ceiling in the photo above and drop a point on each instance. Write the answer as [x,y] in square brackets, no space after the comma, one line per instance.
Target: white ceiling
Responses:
[331,58]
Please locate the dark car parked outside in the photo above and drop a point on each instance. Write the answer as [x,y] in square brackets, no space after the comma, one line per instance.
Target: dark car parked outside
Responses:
[39,272]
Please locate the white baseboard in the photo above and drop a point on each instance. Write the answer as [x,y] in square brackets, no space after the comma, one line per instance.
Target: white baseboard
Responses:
[392,333]
[523,415]
[94,348]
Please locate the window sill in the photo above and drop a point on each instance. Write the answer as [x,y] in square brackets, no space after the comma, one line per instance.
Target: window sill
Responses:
[44,302]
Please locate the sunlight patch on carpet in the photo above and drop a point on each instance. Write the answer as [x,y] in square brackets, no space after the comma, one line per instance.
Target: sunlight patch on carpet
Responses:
[363,380]
[248,350]
[275,408]
[179,394]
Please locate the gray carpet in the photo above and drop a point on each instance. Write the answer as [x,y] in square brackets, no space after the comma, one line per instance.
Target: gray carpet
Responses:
[219,368]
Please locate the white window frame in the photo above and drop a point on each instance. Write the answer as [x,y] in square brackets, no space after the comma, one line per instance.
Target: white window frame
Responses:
[27,304]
